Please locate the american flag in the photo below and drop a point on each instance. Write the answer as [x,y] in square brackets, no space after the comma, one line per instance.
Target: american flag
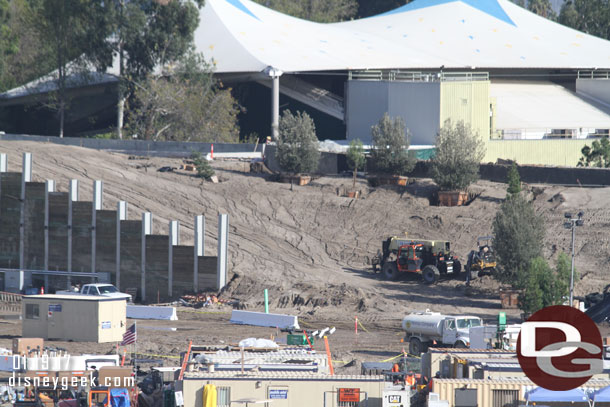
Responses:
[130,336]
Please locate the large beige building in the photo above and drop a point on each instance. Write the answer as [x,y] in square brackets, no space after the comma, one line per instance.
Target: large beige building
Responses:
[83,318]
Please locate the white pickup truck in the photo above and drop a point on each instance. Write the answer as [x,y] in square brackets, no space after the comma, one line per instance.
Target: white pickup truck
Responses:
[104,290]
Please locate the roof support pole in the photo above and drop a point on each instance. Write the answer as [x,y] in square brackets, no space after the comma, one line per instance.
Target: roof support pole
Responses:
[274,74]
[275,108]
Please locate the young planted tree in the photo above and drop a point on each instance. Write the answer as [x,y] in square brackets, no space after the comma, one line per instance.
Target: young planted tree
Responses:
[355,158]
[204,169]
[297,145]
[518,235]
[389,151]
[459,152]
[542,286]
[514,181]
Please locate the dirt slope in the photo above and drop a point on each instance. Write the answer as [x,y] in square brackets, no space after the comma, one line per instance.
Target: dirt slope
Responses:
[309,246]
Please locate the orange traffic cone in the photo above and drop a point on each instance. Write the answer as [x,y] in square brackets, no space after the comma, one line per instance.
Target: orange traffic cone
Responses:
[42,290]
[212,152]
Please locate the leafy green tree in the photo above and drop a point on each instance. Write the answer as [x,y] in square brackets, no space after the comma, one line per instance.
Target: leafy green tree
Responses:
[355,158]
[590,16]
[598,155]
[563,270]
[543,287]
[144,34]
[72,28]
[530,300]
[514,181]
[204,169]
[368,8]
[187,105]
[541,7]
[518,236]
[24,54]
[297,145]
[458,154]
[390,146]
[8,41]
[327,11]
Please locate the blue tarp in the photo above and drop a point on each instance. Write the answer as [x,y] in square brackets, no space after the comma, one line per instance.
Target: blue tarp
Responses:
[601,395]
[119,398]
[541,394]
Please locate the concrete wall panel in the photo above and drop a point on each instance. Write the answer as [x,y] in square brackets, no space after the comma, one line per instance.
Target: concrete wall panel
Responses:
[58,231]
[131,244]
[81,236]
[105,244]
[156,268]
[34,225]
[183,270]
[207,273]
[10,209]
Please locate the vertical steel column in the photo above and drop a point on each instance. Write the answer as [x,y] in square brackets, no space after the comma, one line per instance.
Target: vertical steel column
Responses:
[97,206]
[73,197]
[49,186]
[223,241]
[174,240]
[26,176]
[121,214]
[275,108]
[198,248]
[146,230]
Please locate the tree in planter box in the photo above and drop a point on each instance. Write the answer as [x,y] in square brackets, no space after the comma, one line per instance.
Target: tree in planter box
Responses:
[458,153]
[355,158]
[390,144]
[297,145]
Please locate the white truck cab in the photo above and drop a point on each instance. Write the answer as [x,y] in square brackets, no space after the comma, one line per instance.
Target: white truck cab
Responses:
[103,290]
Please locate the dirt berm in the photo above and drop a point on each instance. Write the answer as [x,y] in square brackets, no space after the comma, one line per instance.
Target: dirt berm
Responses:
[310,247]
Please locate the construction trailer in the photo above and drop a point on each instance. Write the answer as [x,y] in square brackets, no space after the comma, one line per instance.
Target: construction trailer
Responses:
[286,389]
[78,318]
[491,392]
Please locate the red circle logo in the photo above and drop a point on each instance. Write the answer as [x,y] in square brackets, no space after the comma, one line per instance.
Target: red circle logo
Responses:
[560,348]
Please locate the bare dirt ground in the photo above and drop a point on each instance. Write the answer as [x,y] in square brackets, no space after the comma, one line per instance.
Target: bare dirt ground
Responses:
[311,247]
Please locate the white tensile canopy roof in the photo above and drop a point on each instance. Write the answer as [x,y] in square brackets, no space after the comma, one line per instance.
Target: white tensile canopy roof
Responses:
[243,36]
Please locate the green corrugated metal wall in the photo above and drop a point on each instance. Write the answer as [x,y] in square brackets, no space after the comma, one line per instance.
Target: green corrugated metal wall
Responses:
[562,152]
[467,101]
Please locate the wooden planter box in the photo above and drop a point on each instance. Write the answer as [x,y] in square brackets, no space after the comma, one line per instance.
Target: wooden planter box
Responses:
[452,198]
[509,299]
[376,180]
[296,179]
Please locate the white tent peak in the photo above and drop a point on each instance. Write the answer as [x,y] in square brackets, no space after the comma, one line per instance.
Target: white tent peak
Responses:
[244,36]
